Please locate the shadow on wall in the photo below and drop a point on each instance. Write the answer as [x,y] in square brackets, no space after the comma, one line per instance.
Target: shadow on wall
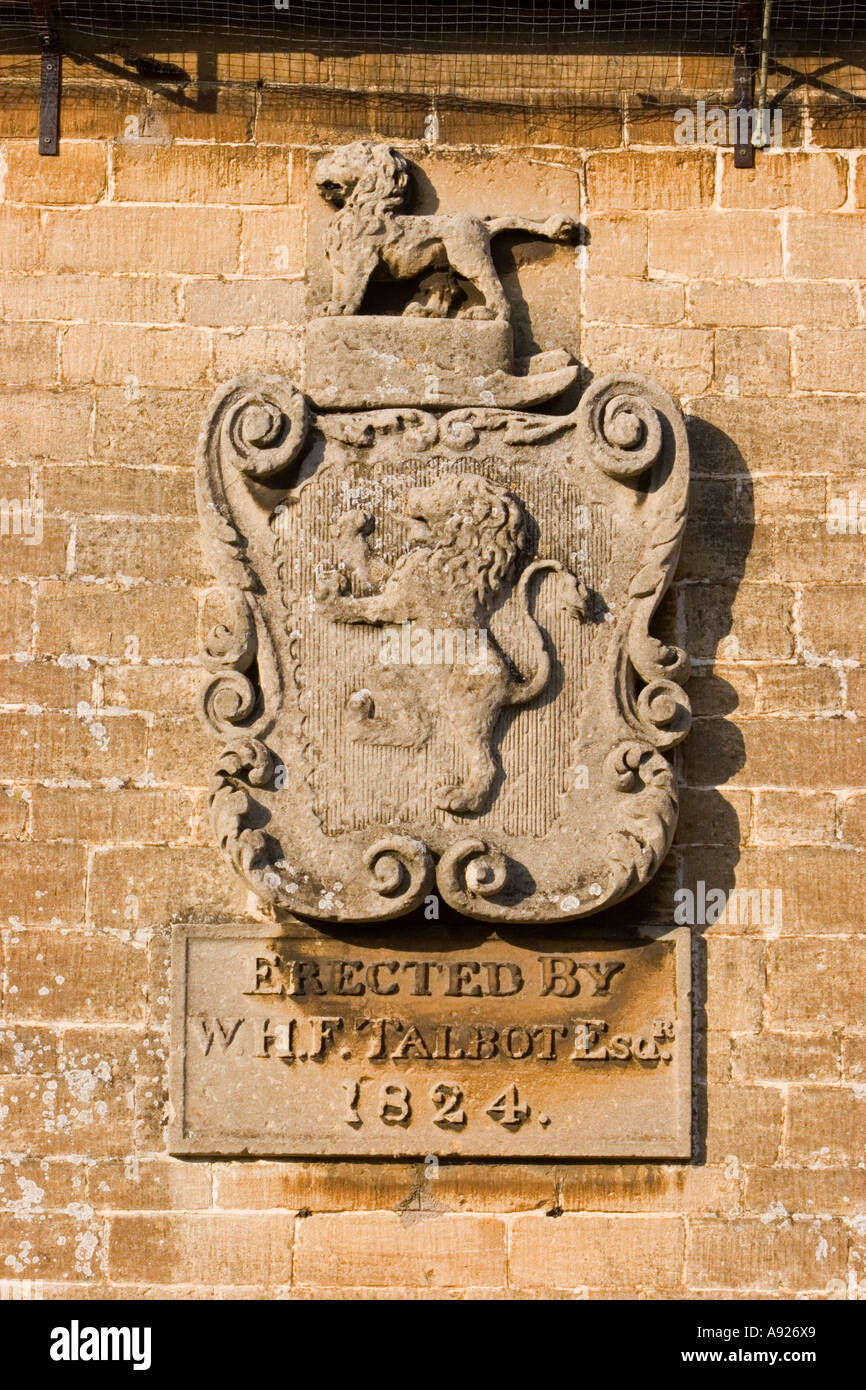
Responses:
[697,613]
[718,540]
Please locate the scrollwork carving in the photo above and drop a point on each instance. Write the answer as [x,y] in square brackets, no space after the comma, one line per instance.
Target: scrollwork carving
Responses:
[417,428]
[399,867]
[257,426]
[226,700]
[461,429]
[469,870]
[664,708]
[625,414]
[230,803]
[264,429]
[620,425]
[647,817]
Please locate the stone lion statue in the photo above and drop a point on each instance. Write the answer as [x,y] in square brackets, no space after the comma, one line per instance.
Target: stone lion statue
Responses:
[468,549]
[369,184]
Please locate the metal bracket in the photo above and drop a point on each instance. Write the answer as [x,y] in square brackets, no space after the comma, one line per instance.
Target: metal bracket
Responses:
[45,15]
[745,68]
[49,96]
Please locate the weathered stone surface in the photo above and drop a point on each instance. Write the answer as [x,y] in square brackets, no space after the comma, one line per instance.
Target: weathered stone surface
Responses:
[616,244]
[814,243]
[632,179]
[19,238]
[579,1250]
[61,976]
[681,358]
[353,362]
[345,1249]
[199,173]
[168,419]
[724,243]
[110,354]
[777,749]
[136,814]
[173,1247]
[77,175]
[91,298]
[241,350]
[816,983]
[771,303]
[744,1122]
[610,299]
[736,979]
[286,1042]
[786,179]
[273,242]
[776,1256]
[221,303]
[85,744]
[101,620]
[753,362]
[28,354]
[144,886]
[197,241]
[42,884]
[795,817]
[786,1057]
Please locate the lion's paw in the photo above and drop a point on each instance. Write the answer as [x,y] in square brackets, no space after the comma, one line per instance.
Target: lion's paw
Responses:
[329,588]
[424,311]
[577,599]
[564,229]
[361,705]
[458,800]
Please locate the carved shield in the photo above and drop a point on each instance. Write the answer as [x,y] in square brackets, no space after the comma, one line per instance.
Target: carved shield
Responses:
[436,673]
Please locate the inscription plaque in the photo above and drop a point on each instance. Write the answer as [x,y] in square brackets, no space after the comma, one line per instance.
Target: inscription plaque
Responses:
[289,1042]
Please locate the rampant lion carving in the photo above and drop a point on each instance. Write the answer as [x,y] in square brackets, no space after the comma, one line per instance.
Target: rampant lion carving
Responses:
[469,551]
[369,183]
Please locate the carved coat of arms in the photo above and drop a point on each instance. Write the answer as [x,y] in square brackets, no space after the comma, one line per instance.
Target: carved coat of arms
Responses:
[436,673]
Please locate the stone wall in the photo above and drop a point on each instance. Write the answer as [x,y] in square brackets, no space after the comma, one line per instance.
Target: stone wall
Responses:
[164,251]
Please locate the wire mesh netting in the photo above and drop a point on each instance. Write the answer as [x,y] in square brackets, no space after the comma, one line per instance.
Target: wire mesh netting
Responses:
[561,51]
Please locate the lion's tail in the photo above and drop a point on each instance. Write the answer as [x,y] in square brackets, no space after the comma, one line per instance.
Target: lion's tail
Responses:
[576,603]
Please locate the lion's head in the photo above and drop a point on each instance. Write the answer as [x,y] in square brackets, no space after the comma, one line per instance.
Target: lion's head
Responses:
[475,532]
[363,174]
